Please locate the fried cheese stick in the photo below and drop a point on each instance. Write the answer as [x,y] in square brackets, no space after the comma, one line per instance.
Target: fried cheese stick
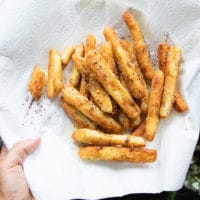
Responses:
[127,68]
[95,137]
[152,119]
[179,103]
[107,78]
[140,47]
[54,84]
[37,82]
[80,120]
[73,97]
[118,154]
[171,71]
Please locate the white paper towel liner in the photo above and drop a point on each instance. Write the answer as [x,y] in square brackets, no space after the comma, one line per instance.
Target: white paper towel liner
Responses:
[55,172]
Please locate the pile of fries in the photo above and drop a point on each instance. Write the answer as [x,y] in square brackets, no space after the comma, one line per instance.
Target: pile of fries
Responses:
[107,96]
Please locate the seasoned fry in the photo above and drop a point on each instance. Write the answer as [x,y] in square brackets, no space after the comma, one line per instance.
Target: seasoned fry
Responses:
[37,82]
[80,120]
[139,131]
[73,97]
[163,50]
[136,122]
[99,95]
[84,85]
[152,119]
[118,154]
[94,137]
[90,43]
[106,77]
[105,50]
[75,74]
[54,84]
[129,49]
[79,50]
[80,64]
[140,47]
[67,54]
[127,68]
[124,120]
[172,70]
[179,103]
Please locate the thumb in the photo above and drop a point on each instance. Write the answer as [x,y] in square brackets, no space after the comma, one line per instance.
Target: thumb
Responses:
[20,151]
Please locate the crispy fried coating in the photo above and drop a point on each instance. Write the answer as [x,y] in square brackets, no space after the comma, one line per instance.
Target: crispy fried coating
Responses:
[139,131]
[106,51]
[99,95]
[90,43]
[80,120]
[67,54]
[95,137]
[106,77]
[172,70]
[128,47]
[163,50]
[179,103]
[152,119]
[127,68]
[54,84]
[137,155]
[124,120]
[136,122]
[37,82]
[140,46]
[75,73]
[74,97]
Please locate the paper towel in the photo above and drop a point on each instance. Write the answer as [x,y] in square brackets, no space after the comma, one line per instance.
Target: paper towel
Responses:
[28,29]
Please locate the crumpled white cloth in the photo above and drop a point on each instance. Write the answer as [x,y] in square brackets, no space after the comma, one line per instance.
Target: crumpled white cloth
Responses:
[28,29]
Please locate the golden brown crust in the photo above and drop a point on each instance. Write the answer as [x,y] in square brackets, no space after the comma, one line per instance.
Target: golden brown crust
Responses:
[80,120]
[128,47]
[90,43]
[163,50]
[73,97]
[75,75]
[140,47]
[179,103]
[37,82]
[152,119]
[106,77]
[118,154]
[95,137]
[67,54]
[99,95]
[172,70]
[54,84]
[124,121]
[84,85]
[136,122]
[127,68]
[139,131]
[105,50]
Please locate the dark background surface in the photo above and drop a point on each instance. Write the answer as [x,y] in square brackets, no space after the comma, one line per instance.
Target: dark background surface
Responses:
[183,194]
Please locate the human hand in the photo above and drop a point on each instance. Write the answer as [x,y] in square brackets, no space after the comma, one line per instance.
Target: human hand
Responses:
[13,183]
